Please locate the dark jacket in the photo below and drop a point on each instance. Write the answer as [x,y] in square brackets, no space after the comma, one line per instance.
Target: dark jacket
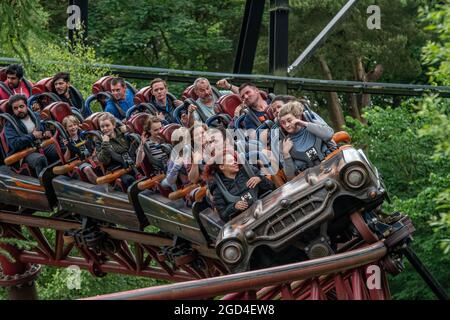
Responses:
[75,100]
[110,153]
[18,141]
[82,151]
[238,187]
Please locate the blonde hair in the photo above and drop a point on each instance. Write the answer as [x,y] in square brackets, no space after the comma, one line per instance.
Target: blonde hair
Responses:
[107,116]
[70,119]
[294,107]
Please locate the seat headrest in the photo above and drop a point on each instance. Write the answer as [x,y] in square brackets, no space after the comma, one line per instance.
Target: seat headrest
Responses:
[228,103]
[189,93]
[4,106]
[166,131]
[264,94]
[91,122]
[137,121]
[103,84]
[58,110]
[143,96]
[43,85]
[3,74]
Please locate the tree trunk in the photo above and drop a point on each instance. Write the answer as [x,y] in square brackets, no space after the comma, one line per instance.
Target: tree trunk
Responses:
[354,110]
[364,76]
[334,106]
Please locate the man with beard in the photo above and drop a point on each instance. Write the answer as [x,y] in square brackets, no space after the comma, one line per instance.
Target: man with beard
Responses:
[206,99]
[61,85]
[15,83]
[122,99]
[29,134]
[257,106]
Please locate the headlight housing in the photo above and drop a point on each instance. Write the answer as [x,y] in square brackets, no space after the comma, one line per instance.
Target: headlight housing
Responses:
[355,176]
[232,252]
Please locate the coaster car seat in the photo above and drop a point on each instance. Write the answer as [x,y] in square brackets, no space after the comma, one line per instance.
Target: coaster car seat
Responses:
[228,104]
[45,87]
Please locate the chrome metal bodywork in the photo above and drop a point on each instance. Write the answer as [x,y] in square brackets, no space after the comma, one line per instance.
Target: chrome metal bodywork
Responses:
[301,205]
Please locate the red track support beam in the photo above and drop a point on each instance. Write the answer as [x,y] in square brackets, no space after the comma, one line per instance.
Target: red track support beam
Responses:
[16,276]
[253,280]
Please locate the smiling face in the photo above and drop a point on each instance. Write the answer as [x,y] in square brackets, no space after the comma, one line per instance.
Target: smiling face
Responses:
[72,128]
[159,90]
[19,109]
[230,166]
[107,128]
[287,122]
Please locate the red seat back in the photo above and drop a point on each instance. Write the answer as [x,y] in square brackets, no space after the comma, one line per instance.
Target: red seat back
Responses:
[264,94]
[143,96]
[58,110]
[91,122]
[3,74]
[228,103]
[166,131]
[102,85]
[43,85]
[136,123]
[189,93]
[4,106]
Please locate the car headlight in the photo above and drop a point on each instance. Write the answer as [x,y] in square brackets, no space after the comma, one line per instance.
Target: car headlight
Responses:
[232,252]
[355,177]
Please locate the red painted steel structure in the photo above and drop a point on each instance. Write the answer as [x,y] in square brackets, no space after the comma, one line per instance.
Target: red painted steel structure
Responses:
[341,276]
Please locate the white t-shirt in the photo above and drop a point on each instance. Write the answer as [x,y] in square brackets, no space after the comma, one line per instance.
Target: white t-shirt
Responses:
[29,124]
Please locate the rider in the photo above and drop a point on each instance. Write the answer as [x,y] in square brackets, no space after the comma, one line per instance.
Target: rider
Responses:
[61,84]
[15,83]
[151,140]
[28,133]
[122,98]
[162,100]
[113,150]
[77,146]
[235,187]
[307,142]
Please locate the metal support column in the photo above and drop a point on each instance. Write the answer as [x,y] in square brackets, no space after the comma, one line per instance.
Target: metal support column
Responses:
[77,12]
[248,39]
[278,41]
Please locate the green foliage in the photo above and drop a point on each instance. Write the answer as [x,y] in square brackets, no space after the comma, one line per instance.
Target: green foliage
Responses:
[392,143]
[53,284]
[194,34]
[20,20]
[422,208]
[436,54]
[76,60]
[21,244]
[396,142]
[397,45]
